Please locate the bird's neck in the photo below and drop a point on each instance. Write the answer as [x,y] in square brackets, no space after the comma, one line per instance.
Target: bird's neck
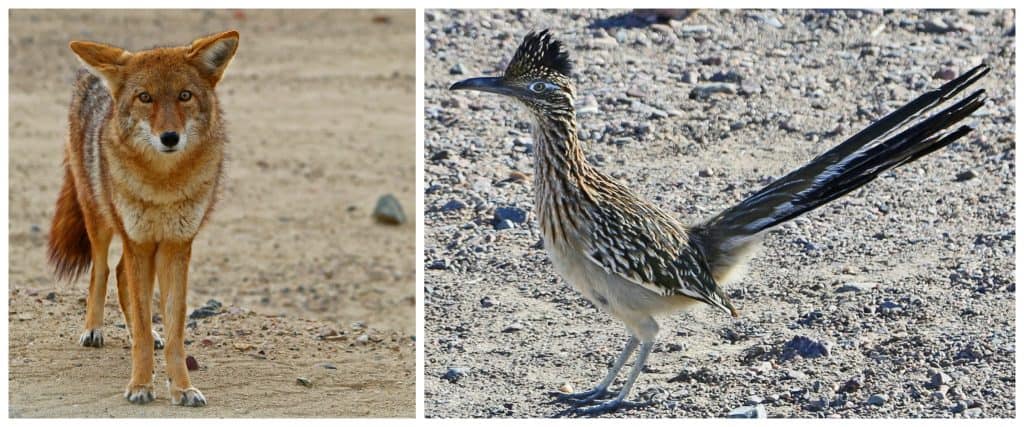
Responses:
[561,179]
[558,151]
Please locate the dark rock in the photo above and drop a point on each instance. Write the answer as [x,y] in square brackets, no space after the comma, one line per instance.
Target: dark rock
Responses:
[438,264]
[935,26]
[453,205]
[440,155]
[853,384]
[455,374]
[889,307]
[212,308]
[817,404]
[712,60]
[946,73]
[959,407]
[805,347]
[966,175]
[508,213]
[389,211]
[726,76]
[940,378]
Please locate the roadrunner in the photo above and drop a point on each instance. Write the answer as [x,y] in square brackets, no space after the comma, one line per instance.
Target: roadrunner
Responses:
[636,261]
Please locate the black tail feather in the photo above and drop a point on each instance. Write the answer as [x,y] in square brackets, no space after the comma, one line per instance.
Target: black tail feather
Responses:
[883,145]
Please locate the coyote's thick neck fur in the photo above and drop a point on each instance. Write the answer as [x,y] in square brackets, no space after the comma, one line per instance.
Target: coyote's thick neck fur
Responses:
[147,194]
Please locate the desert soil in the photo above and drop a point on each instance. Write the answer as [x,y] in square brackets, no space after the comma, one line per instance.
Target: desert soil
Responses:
[320,107]
[897,300]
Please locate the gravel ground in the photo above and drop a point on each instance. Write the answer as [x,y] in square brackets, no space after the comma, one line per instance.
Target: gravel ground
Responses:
[895,301]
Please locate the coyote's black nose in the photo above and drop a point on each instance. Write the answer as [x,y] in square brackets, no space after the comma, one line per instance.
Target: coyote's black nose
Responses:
[169,139]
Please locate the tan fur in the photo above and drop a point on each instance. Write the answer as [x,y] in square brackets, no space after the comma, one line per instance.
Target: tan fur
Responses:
[153,196]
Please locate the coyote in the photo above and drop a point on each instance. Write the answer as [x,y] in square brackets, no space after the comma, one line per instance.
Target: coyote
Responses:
[143,161]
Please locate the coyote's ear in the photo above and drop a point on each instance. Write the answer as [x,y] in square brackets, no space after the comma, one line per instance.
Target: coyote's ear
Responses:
[102,61]
[212,54]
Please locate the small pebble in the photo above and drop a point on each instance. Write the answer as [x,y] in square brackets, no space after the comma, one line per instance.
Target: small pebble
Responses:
[754,411]
[389,211]
[454,374]
[706,90]
[946,73]
[966,175]
[878,399]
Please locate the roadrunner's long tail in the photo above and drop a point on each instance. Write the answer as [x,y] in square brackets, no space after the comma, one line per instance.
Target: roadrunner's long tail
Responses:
[900,137]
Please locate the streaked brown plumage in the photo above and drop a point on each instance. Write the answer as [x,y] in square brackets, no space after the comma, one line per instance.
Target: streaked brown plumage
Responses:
[635,260]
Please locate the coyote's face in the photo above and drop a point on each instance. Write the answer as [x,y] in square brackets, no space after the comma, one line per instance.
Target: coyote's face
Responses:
[164,99]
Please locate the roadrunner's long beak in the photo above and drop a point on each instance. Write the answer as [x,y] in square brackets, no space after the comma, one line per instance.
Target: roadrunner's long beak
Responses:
[488,84]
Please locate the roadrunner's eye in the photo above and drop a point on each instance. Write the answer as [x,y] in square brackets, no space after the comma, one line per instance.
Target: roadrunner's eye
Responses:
[145,98]
[538,87]
[184,95]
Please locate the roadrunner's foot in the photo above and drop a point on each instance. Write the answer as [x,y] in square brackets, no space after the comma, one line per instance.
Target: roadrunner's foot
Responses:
[581,397]
[606,407]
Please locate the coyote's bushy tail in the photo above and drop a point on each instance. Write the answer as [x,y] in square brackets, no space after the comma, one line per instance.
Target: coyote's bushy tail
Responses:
[70,252]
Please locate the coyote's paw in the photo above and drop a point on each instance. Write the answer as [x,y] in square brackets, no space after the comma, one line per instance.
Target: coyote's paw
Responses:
[188,397]
[91,338]
[139,394]
[158,343]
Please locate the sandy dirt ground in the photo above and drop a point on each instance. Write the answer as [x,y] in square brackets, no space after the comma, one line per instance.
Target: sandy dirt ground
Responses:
[320,116]
[897,300]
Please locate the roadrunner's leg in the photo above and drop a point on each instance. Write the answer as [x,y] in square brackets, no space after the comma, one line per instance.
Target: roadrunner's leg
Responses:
[602,387]
[620,400]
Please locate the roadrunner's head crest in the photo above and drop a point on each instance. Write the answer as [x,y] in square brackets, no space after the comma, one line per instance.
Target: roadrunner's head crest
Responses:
[537,76]
[539,56]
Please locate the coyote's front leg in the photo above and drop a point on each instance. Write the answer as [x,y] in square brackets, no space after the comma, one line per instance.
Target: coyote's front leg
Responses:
[172,271]
[139,263]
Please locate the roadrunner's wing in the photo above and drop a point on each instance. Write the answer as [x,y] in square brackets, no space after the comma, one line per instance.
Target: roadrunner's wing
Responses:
[641,243]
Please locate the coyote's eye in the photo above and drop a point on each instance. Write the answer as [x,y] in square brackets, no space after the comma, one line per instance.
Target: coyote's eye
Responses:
[145,98]
[184,95]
